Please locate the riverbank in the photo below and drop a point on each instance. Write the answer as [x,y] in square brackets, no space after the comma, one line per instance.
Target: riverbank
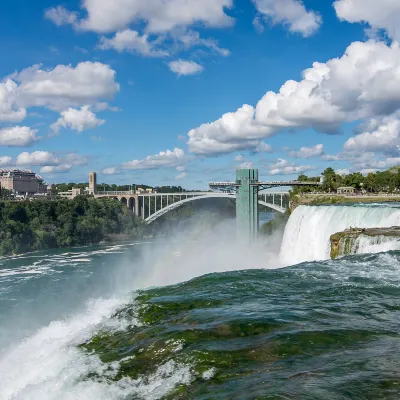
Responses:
[327,199]
[32,226]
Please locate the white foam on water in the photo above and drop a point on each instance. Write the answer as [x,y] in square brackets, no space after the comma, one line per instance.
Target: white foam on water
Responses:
[308,231]
[375,244]
[49,366]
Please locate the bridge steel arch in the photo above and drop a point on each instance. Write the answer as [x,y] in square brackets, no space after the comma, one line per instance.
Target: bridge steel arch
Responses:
[171,207]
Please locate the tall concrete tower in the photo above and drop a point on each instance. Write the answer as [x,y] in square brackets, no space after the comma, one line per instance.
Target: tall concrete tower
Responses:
[92,183]
[247,203]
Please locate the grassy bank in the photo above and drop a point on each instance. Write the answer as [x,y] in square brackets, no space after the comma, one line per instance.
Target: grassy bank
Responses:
[314,200]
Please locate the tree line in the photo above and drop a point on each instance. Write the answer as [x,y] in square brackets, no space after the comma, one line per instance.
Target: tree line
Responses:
[374,182]
[37,225]
[65,187]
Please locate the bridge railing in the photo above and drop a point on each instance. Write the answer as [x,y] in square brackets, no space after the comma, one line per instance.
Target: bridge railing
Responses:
[111,193]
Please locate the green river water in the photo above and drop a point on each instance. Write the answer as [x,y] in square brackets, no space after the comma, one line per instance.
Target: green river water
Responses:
[200,319]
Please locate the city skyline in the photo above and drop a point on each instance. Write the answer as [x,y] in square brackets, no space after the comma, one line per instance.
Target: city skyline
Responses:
[169,93]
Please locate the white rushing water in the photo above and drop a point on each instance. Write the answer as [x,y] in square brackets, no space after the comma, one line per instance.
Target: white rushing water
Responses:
[375,244]
[309,229]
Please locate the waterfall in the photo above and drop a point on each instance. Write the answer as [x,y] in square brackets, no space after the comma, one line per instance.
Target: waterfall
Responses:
[309,228]
[375,244]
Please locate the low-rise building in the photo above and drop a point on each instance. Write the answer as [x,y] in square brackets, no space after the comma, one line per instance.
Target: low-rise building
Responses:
[71,194]
[346,190]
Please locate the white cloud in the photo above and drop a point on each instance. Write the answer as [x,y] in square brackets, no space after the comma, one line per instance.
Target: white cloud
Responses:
[181,67]
[190,38]
[262,148]
[60,16]
[132,41]
[51,169]
[162,160]
[232,132]
[110,171]
[383,136]
[363,83]
[9,110]
[240,157]
[378,14]
[159,15]
[18,136]
[181,168]
[5,161]
[246,165]
[283,167]
[181,176]
[308,152]
[74,159]
[37,158]
[57,89]
[342,172]
[290,13]
[50,162]
[65,86]
[78,120]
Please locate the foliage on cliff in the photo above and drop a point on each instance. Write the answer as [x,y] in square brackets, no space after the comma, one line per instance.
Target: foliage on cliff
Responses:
[345,242]
[275,225]
[37,225]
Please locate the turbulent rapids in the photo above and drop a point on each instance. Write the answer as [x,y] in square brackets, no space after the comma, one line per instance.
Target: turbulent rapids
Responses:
[234,323]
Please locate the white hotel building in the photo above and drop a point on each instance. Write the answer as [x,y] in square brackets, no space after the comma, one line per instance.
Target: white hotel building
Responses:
[22,182]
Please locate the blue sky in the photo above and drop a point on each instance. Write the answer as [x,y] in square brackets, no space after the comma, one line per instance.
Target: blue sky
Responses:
[140,90]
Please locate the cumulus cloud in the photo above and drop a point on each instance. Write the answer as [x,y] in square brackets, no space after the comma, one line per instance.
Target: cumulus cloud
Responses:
[163,159]
[160,16]
[5,161]
[78,120]
[64,86]
[383,135]
[49,162]
[182,67]
[284,167]
[308,152]
[58,89]
[9,109]
[363,83]
[50,169]
[18,136]
[37,158]
[290,13]
[378,14]
[132,41]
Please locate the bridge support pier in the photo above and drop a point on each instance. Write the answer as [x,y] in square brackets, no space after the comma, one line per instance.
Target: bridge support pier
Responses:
[247,204]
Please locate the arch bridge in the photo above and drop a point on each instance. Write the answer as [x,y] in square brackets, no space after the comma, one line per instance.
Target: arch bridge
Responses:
[247,190]
[151,206]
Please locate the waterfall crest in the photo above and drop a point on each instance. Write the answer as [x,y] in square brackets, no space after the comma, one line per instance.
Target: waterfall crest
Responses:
[309,228]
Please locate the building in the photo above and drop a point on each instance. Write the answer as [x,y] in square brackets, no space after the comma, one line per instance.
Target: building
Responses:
[346,190]
[92,183]
[22,182]
[71,194]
